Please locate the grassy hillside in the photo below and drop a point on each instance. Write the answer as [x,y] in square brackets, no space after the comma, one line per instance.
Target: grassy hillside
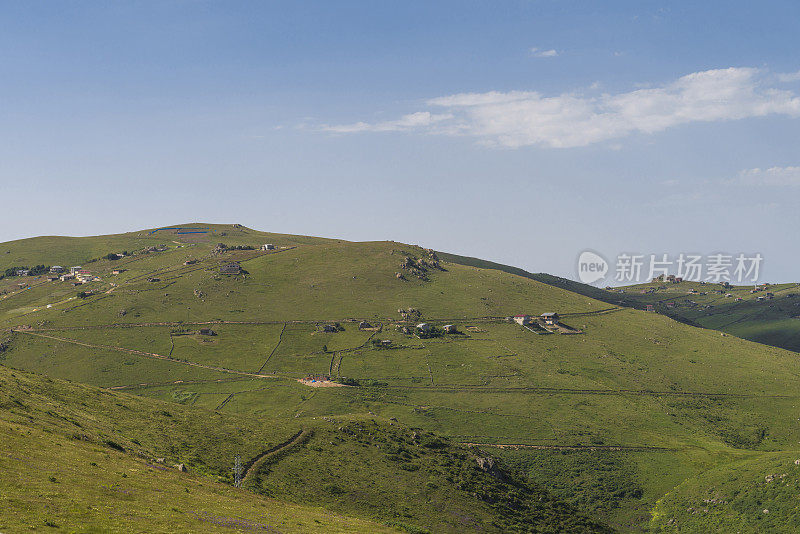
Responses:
[97,456]
[79,458]
[735,310]
[610,419]
[756,493]
[738,310]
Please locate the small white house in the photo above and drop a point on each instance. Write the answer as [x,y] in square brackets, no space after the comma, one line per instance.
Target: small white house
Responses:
[522,319]
[424,327]
[449,328]
[268,246]
[55,269]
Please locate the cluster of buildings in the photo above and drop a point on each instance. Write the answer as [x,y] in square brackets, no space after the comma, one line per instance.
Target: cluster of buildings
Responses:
[77,275]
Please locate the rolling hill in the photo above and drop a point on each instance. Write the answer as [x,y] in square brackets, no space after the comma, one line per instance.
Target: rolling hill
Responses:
[768,314]
[79,457]
[613,418]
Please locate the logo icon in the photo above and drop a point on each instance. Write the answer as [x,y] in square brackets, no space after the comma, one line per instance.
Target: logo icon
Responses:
[591,267]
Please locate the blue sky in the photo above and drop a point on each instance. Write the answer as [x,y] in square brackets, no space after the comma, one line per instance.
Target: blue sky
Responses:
[521,131]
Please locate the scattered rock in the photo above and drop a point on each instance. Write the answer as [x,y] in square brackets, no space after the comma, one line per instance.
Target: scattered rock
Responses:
[486,464]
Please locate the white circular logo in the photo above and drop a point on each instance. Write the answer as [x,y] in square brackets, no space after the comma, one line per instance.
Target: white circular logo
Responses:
[591,267]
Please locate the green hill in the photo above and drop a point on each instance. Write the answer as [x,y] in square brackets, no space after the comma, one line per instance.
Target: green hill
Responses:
[610,416]
[738,310]
[767,314]
[77,456]
[753,494]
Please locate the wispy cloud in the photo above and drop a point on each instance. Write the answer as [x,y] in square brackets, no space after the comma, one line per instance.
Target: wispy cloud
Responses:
[788,77]
[538,52]
[773,176]
[412,121]
[524,118]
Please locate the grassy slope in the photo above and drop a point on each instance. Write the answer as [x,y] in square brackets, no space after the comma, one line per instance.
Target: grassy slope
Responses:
[756,493]
[633,379]
[772,322]
[63,465]
[68,251]
[89,452]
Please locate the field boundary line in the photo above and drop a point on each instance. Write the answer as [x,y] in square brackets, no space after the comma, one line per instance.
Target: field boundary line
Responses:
[564,391]
[151,355]
[572,447]
[253,466]
[275,348]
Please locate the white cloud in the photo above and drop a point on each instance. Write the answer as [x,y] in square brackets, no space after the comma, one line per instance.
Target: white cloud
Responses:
[773,176]
[522,118]
[538,52]
[787,77]
[411,121]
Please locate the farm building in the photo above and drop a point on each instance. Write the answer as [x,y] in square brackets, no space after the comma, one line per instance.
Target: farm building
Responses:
[55,269]
[268,246]
[207,332]
[522,319]
[154,279]
[231,268]
[73,270]
[550,318]
[424,327]
[650,308]
[22,272]
[118,271]
[450,328]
